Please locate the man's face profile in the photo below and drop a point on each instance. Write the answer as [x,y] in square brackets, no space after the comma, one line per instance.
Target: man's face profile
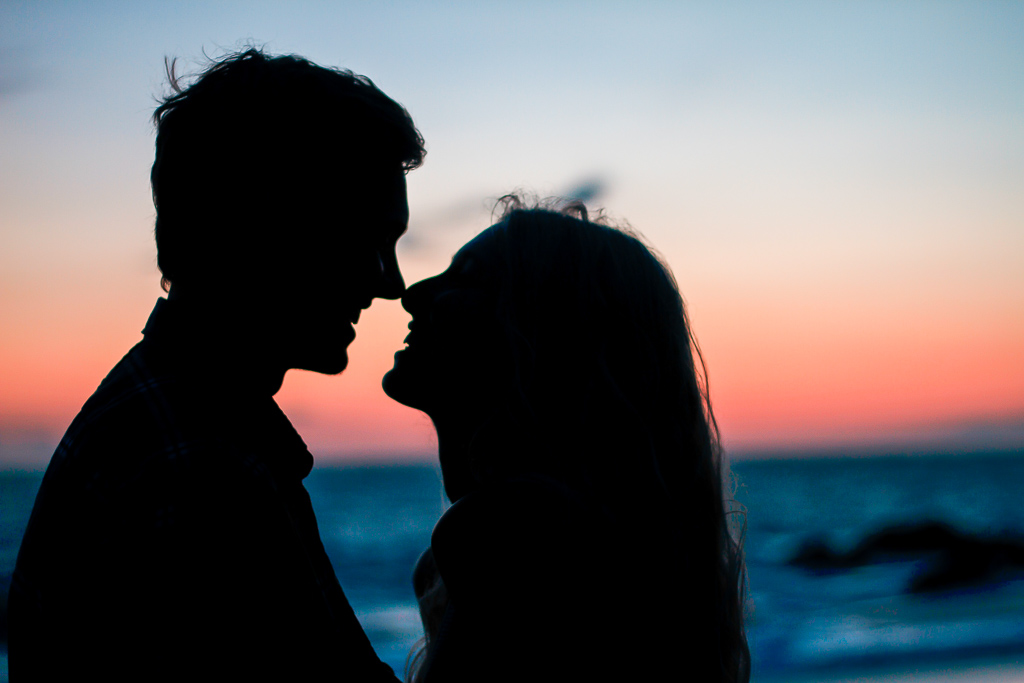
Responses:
[342,257]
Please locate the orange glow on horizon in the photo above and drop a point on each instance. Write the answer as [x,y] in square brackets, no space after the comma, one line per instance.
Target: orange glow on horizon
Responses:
[775,381]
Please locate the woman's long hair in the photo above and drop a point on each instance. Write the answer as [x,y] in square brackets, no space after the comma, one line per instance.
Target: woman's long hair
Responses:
[606,390]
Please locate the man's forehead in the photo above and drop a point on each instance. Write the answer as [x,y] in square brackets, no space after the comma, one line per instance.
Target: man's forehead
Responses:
[386,180]
[381,204]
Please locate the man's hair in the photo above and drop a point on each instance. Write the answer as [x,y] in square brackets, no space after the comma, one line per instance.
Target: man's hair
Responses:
[239,149]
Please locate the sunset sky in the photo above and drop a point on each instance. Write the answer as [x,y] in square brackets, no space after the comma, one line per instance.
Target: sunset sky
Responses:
[838,187]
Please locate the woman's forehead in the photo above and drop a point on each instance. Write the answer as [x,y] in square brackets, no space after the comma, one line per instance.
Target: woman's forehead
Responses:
[484,244]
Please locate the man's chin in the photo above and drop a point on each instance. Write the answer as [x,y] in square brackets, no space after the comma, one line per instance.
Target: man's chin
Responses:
[326,366]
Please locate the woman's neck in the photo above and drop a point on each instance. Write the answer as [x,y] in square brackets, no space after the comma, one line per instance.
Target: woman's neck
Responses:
[456,446]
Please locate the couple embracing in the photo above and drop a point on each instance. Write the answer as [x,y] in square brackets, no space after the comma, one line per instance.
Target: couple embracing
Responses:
[172,537]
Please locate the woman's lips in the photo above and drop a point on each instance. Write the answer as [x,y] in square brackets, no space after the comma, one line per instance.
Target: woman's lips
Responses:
[411,337]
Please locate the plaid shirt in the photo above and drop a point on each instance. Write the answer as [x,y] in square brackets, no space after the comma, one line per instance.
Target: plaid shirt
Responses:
[172,538]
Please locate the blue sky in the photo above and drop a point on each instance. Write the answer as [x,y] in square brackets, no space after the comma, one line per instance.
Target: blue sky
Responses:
[836,185]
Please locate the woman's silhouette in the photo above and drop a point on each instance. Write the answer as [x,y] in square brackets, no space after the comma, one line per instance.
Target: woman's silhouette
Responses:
[588,537]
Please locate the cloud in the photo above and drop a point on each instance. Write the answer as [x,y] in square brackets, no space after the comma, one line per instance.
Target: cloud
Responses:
[588,190]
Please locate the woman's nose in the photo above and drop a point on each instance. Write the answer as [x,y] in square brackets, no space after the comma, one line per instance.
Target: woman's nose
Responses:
[416,295]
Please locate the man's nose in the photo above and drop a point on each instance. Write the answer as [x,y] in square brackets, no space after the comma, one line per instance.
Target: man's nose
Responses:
[411,297]
[392,284]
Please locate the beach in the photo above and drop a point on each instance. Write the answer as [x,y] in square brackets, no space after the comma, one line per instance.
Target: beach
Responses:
[1006,672]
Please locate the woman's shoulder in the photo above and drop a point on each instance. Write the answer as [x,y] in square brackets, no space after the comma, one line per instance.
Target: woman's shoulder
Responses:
[533,560]
[528,507]
[532,534]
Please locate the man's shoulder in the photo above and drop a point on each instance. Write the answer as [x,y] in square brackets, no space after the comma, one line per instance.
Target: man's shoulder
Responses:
[133,403]
[144,424]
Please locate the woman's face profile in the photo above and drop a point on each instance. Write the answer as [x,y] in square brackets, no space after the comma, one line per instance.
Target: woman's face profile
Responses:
[454,346]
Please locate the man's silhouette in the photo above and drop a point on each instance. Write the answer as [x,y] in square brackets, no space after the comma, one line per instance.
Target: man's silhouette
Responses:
[172,536]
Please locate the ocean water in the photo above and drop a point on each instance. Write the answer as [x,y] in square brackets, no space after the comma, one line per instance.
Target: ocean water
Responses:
[376,520]
[865,616]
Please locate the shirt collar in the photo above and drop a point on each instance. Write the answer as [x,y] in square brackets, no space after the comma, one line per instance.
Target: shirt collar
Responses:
[172,347]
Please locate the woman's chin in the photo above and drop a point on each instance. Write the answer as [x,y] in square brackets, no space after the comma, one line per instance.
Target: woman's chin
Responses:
[392,384]
[399,386]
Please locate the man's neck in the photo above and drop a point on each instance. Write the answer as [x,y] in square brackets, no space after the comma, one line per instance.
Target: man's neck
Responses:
[218,340]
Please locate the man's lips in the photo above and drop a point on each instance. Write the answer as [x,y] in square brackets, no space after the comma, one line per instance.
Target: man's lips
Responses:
[353,316]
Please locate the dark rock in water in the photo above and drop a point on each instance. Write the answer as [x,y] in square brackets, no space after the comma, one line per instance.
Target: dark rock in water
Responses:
[889,543]
[907,539]
[817,555]
[971,562]
[957,560]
